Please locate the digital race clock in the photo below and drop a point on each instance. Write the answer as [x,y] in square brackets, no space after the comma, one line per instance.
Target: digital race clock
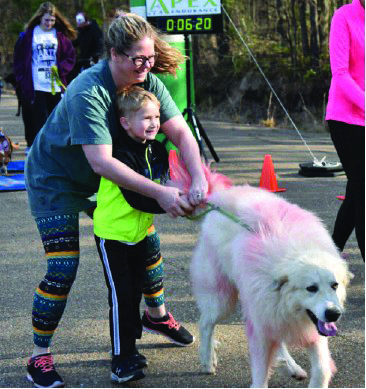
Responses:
[188,24]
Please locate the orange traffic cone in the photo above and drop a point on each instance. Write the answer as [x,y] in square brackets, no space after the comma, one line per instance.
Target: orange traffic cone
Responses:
[268,178]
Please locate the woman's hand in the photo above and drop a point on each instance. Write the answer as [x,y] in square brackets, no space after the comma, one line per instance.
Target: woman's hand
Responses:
[198,191]
[177,130]
[172,201]
[169,198]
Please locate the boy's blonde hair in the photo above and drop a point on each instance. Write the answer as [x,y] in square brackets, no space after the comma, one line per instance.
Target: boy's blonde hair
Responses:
[132,99]
[126,29]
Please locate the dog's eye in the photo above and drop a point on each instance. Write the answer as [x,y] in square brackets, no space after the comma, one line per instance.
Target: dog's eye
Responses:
[312,288]
[334,285]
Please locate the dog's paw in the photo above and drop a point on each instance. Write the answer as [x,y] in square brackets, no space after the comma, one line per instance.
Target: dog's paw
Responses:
[209,369]
[301,375]
[292,370]
[216,344]
[209,365]
[214,360]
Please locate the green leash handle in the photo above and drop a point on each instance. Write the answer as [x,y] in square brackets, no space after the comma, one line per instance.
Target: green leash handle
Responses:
[55,78]
[231,216]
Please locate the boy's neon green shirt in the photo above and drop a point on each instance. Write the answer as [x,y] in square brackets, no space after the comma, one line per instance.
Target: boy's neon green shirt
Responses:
[125,215]
[115,219]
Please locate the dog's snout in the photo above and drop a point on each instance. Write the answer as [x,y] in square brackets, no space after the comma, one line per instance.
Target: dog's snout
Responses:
[332,314]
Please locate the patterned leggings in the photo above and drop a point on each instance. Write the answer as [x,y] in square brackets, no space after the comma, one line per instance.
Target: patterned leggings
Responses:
[60,238]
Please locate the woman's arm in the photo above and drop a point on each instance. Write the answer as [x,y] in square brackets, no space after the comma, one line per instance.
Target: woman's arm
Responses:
[101,160]
[140,202]
[178,131]
[18,59]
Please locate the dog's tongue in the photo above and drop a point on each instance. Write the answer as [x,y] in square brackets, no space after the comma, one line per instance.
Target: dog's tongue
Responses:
[327,329]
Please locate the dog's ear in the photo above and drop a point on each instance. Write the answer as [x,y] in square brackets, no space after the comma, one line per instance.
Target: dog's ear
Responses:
[345,276]
[279,283]
[348,277]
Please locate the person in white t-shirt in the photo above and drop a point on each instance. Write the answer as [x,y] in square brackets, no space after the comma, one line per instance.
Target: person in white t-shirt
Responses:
[46,42]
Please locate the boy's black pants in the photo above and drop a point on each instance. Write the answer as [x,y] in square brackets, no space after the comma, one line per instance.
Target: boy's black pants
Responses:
[124,270]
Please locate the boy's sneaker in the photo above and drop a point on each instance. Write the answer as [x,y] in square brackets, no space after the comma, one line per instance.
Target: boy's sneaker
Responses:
[41,371]
[139,359]
[170,328]
[125,370]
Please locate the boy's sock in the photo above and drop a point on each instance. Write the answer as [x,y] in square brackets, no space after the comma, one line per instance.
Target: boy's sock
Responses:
[159,319]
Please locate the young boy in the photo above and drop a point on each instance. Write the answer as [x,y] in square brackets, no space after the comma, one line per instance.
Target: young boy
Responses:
[121,222]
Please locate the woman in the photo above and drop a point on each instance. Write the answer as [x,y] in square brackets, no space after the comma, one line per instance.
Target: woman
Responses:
[346,116]
[74,149]
[46,42]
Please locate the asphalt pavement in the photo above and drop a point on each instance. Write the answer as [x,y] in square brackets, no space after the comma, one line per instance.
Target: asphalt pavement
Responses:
[81,344]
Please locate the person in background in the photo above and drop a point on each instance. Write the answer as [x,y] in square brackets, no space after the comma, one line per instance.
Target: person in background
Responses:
[74,149]
[89,43]
[345,116]
[25,108]
[46,42]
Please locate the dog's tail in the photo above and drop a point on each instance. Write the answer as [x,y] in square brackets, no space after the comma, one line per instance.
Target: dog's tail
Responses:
[180,178]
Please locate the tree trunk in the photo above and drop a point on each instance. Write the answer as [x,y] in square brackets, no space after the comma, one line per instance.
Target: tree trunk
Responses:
[304,30]
[279,22]
[294,32]
[314,45]
[261,13]
[322,25]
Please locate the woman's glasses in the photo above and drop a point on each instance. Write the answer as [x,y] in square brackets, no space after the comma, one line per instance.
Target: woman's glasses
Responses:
[141,60]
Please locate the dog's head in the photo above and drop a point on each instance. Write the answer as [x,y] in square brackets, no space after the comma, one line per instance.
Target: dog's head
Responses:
[316,287]
[6,149]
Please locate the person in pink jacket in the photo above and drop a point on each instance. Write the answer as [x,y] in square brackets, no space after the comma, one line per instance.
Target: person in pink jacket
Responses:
[346,116]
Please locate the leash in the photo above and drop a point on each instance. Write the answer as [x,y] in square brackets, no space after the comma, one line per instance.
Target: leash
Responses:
[229,215]
[315,160]
[55,78]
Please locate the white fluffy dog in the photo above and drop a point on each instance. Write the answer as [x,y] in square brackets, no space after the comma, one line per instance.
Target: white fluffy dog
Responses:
[280,262]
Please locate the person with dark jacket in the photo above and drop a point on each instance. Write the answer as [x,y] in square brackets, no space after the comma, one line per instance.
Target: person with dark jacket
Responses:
[89,42]
[45,44]
[24,107]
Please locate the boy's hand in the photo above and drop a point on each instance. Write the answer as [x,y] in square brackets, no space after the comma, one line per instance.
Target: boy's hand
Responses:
[185,198]
[173,203]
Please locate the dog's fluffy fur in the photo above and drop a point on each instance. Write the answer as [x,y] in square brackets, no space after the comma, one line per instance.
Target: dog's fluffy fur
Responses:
[284,269]
[286,273]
